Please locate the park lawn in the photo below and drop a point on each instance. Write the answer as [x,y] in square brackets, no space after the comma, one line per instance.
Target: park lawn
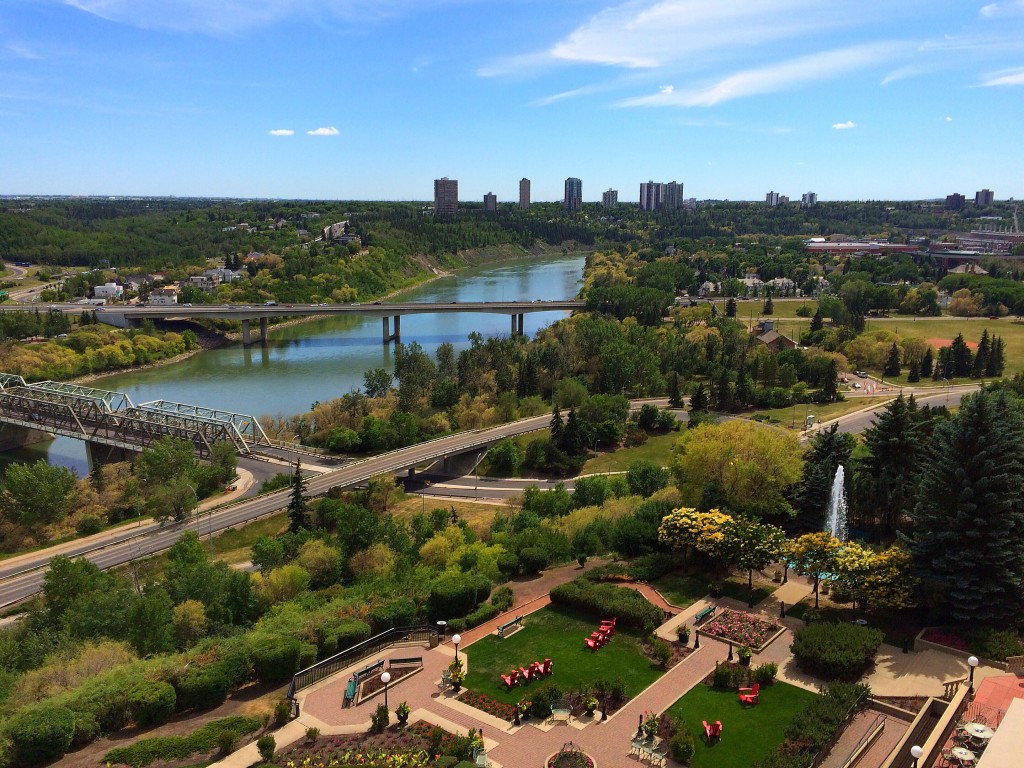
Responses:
[682,590]
[783,308]
[657,449]
[738,590]
[558,634]
[793,416]
[478,515]
[749,733]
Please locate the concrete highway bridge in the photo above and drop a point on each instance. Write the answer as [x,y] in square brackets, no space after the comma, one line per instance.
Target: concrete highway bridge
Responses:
[110,421]
[126,315]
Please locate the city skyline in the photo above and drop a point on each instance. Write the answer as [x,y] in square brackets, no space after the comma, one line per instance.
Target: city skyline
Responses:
[339,99]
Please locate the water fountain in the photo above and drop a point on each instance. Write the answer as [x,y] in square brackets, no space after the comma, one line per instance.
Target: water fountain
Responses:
[836,521]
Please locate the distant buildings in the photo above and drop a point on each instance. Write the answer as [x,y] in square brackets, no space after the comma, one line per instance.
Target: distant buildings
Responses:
[955,202]
[446,196]
[490,202]
[771,199]
[655,196]
[984,197]
[808,199]
[524,193]
[164,296]
[610,199]
[573,194]
[108,291]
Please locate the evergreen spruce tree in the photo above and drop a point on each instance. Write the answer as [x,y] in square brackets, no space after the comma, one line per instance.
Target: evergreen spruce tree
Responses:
[769,306]
[892,362]
[730,307]
[960,357]
[572,435]
[96,476]
[828,450]
[723,392]
[674,396]
[997,358]
[981,356]
[743,389]
[967,543]
[885,477]
[297,507]
[829,392]
[699,399]
[557,425]
[927,363]
[914,372]
[817,322]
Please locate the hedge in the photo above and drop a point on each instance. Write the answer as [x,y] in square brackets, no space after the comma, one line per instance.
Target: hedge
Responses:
[533,560]
[151,702]
[457,594]
[396,613]
[205,739]
[41,733]
[629,607]
[275,657]
[835,651]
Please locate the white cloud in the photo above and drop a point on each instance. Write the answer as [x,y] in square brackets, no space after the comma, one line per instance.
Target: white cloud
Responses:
[844,126]
[227,18]
[666,89]
[1005,77]
[22,51]
[282,132]
[330,131]
[772,78]
[996,10]
[949,119]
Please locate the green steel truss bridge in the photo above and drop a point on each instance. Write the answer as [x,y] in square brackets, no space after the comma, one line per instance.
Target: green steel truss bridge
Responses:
[108,418]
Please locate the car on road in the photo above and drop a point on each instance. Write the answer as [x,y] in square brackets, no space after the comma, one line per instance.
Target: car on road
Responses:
[862,374]
[376,303]
[269,303]
[289,306]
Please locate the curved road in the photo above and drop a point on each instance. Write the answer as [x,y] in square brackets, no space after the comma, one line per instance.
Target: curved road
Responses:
[23,576]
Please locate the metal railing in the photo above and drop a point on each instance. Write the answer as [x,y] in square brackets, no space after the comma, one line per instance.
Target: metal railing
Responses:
[339,661]
[876,726]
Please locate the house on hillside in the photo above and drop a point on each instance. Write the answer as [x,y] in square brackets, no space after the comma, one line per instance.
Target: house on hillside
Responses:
[775,341]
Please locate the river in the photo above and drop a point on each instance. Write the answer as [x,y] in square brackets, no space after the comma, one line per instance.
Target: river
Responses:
[324,358]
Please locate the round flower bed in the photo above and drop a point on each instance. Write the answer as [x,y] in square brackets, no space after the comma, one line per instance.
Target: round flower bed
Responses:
[742,628]
[570,756]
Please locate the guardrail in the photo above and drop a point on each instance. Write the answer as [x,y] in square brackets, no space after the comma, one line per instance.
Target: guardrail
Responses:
[334,664]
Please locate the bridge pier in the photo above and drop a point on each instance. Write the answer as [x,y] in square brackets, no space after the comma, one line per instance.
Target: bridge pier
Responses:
[118,320]
[459,464]
[517,324]
[98,453]
[388,335]
[247,333]
[14,436]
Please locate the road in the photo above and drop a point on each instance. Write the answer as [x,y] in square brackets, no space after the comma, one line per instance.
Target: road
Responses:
[25,579]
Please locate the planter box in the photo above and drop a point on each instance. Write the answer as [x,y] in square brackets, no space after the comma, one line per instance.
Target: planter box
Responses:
[921,644]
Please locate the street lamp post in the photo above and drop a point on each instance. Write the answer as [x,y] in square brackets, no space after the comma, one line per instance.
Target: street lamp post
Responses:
[385,678]
[916,752]
[456,639]
[972,662]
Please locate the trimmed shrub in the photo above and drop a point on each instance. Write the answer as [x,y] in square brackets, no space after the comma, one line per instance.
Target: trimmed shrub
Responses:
[215,733]
[40,733]
[533,560]
[542,697]
[661,651]
[380,719]
[764,673]
[814,728]
[445,761]
[396,613]
[485,612]
[608,601]
[202,688]
[682,746]
[508,564]
[839,651]
[457,594]
[352,632]
[275,657]
[503,598]
[88,525]
[266,745]
[151,702]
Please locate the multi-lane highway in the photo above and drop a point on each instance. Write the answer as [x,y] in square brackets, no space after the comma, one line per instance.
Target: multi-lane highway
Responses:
[23,576]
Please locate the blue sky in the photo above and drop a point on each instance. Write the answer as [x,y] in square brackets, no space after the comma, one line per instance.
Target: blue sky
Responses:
[373,99]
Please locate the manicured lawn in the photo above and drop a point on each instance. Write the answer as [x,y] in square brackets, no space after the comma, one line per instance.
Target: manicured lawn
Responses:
[749,733]
[682,590]
[793,416]
[558,634]
[657,449]
[784,308]
[739,591]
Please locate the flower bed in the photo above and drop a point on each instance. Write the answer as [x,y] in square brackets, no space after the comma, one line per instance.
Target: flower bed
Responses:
[411,745]
[944,637]
[485,703]
[743,628]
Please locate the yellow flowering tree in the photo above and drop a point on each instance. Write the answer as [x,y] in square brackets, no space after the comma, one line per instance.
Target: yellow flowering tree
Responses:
[814,554]
[687,528]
